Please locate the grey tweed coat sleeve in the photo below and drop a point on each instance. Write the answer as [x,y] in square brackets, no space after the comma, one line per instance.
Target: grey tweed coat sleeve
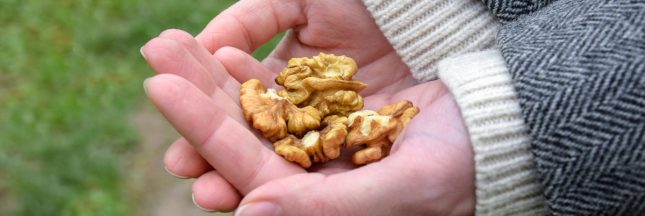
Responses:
[579,70]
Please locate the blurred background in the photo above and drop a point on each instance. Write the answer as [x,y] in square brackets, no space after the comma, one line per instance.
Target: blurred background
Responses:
[77,134]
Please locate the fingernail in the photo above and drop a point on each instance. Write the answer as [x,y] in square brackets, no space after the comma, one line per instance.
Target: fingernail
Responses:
[141,51]
[259,208]
[198,206]
[173,174]
[145,88]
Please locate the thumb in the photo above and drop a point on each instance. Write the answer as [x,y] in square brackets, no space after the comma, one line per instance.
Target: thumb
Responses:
[249,24]
[414,180]
[364,191]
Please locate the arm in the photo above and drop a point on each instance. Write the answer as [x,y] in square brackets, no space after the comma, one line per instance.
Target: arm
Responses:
[578,71]
[433,159]
[586,135]
[423,34]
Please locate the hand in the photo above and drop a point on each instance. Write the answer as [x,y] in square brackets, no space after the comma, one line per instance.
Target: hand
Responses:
[429,171]
[340,27]
[335,26]
[176,52]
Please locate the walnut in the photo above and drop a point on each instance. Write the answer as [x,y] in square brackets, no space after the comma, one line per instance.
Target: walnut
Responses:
[314,88]
[273,115]
[324,82]
[377,131]
[315,146]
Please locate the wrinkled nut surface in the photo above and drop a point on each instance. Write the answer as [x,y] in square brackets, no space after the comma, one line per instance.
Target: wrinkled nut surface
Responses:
[324,82]
[314,88]
[273,115]
[377,131]
[315,146]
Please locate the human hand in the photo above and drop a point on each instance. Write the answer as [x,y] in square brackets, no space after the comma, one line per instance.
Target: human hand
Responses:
[429,170]
[340,27]
[335,26]
[175,52]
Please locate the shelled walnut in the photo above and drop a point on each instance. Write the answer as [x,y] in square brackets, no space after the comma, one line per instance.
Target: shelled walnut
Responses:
[315,146]
[377,131]
[322,88]
[324,82]
[273,115]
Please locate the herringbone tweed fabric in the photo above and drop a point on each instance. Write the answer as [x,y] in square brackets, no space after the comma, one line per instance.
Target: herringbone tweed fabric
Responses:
[579,69]
[507,10]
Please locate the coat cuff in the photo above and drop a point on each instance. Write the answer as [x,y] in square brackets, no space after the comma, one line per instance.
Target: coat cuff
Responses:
[424,32]
[506,177]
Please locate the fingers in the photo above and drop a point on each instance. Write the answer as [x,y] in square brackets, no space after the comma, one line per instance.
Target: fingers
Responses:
[243,67]
[229,147]
[171,56]
[199,52]
[182,161]
[289,47]
[211,192]
[176,52]
[168,56]
[249,24]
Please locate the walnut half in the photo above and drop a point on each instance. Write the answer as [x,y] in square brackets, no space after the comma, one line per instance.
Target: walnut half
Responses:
[316,88]
[324,82]
[377,131]
[315,146]
[273,115]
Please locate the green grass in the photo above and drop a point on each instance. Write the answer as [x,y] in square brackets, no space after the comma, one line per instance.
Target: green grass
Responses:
[70,76]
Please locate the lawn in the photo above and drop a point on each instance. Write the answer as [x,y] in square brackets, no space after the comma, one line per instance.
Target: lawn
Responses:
[70,78]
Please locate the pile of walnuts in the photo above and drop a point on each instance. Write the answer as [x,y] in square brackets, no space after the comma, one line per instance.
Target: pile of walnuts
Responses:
[318,113]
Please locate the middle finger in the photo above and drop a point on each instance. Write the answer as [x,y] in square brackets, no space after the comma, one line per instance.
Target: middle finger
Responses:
[169,56]
[208,62]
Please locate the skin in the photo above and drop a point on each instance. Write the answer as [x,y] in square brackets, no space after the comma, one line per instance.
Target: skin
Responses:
[430,170]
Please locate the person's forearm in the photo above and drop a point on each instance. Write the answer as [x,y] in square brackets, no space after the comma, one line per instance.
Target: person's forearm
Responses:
[427,32]
[578,70]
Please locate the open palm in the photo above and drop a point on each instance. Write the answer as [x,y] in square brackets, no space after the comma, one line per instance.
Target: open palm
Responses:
[428,172]
[432,160]
[433,154]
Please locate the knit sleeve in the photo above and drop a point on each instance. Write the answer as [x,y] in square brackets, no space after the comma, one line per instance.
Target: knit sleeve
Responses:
[424,32]
[507,180]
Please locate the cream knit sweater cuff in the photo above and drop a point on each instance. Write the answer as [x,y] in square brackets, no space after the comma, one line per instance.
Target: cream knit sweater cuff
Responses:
[424,32]
[507,181]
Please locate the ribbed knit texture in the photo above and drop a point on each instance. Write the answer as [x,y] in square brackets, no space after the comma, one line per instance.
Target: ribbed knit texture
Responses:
[579,70]
[507,182]
[424,32]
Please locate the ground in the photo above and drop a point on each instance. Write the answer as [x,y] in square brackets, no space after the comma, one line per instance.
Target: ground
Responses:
[77,134]
[165,195]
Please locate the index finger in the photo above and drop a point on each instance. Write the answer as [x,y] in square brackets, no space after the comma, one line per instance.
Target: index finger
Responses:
[232,149]
[248,24]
